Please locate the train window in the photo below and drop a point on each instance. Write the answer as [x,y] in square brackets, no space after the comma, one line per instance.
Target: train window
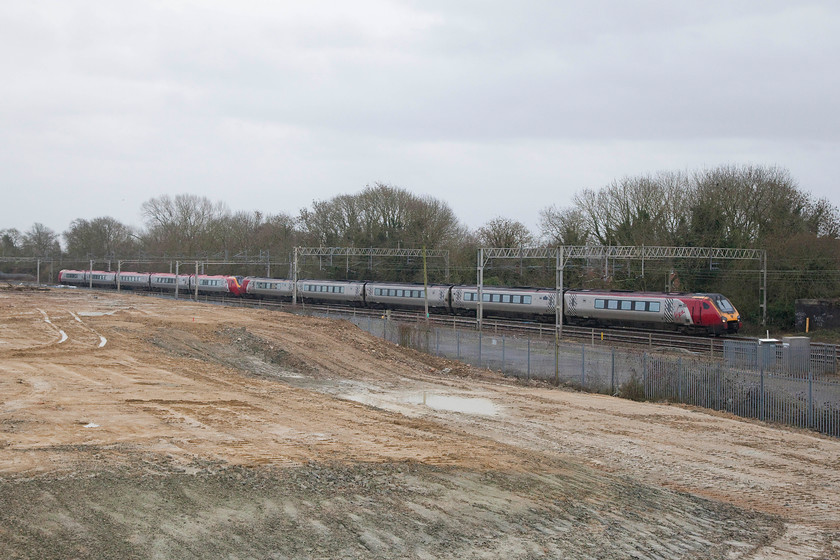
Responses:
[723,304]
[485,297]
[612,304]
[705,305]
[627,305]
[654,306]
[599,304]
[505,298]
[470,296]
[526,300]
[516,299]
[639,305]
[497,298]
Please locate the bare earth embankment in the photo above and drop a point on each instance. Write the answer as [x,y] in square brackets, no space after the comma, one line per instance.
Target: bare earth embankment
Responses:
[134,427]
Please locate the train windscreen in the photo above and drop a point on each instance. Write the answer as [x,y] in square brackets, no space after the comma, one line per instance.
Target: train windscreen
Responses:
[723,304]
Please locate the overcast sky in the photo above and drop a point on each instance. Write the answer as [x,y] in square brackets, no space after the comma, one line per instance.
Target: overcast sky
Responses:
[500,108]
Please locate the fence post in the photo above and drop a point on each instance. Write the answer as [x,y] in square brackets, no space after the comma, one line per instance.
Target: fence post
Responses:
[717,399]
[458,343]
[679,379]
[644,375]
[582,366]
[503,353]
[612,374]
[437,342]
[480,332]
[528,375]
[810,398]
[761,386]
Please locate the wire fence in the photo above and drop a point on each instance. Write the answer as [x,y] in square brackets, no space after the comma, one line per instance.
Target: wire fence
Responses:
[772,381]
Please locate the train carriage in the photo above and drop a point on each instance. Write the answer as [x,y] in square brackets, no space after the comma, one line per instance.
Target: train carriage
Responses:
[529,303]
[73,277]
[382,295]
[688,313]
[274,288]
[332,291]
[166,281]
[216,284]
[103,279]
[134,280]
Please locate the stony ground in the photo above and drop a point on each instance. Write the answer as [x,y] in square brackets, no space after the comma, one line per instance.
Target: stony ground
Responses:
[134,427]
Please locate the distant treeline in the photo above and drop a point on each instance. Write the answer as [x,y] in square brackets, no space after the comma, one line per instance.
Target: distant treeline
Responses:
[732,206]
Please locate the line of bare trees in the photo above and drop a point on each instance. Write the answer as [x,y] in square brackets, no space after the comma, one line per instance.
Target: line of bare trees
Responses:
[728,206]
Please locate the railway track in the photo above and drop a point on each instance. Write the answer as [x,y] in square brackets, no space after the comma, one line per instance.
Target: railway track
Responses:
[709,347]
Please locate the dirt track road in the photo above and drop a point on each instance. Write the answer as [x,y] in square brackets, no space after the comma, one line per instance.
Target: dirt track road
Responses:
[135,427]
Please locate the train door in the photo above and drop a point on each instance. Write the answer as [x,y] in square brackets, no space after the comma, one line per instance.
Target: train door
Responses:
[696,310]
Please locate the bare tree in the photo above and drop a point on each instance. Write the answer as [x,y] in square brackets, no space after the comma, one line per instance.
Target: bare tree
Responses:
[380,216]
[99,237]
[563,226]
[41,241]
[182,225]
[504,232]
[10,242]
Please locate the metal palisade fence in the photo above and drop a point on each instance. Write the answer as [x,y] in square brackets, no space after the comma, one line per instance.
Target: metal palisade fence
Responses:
[770,381]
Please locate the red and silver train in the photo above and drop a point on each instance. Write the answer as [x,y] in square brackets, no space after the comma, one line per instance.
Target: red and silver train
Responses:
[706,314]
[160,281]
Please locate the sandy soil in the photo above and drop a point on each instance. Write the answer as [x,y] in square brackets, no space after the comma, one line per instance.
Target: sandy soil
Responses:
[135,427]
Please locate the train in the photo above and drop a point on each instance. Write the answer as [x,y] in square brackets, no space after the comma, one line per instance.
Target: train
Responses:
[689,313]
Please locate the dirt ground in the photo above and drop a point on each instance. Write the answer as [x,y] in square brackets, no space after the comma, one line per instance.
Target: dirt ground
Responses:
[137,427]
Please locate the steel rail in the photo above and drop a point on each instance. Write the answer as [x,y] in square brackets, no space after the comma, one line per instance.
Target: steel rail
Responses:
[710,347]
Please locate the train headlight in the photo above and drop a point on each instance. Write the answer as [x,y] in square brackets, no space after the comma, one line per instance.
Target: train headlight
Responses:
[723,319]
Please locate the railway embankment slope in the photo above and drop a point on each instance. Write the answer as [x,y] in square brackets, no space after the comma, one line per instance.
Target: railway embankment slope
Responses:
[135,427]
